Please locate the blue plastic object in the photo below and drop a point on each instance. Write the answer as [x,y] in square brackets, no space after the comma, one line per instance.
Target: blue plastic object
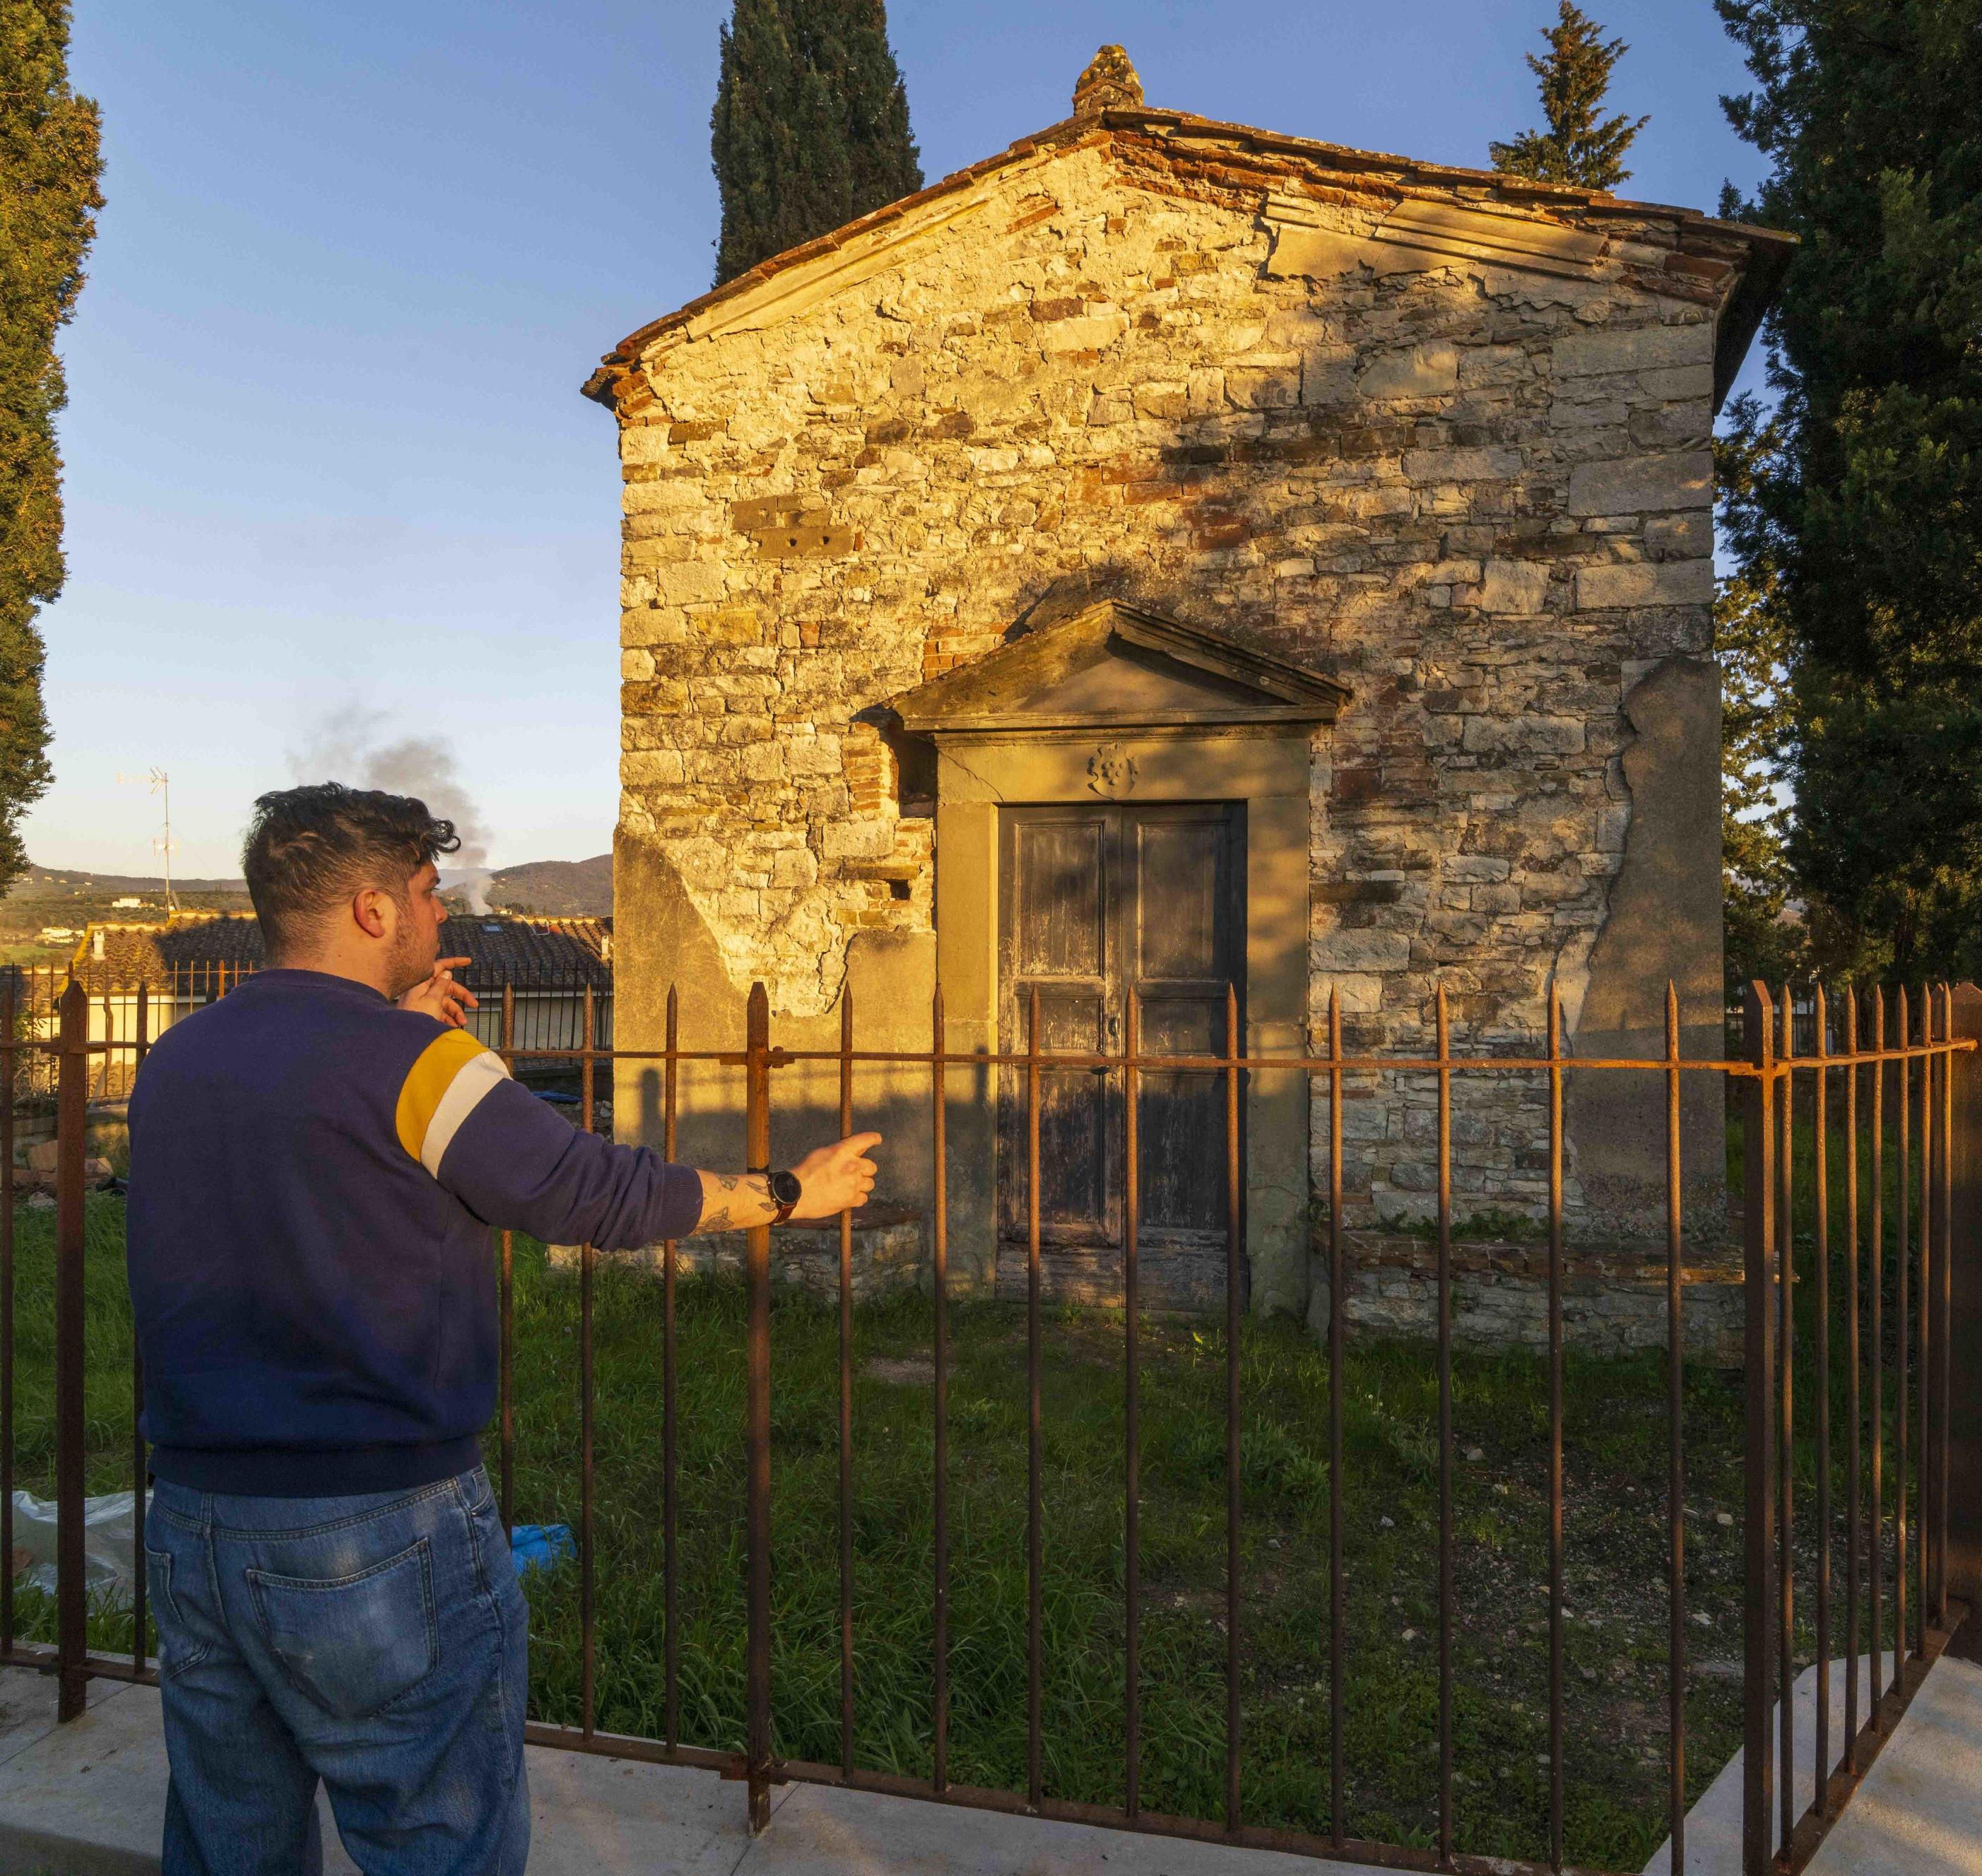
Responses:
[541,1546]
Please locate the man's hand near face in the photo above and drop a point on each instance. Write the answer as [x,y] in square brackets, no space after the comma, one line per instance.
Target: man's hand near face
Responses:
[439,996]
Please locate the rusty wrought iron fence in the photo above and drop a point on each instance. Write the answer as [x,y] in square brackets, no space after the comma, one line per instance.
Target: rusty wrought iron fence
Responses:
[1887,1084]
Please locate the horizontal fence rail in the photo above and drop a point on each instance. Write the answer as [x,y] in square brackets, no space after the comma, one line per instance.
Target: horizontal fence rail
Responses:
[1850,1230]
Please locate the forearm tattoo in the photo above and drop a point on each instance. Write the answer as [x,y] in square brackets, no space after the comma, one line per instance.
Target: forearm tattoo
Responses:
[735,1202]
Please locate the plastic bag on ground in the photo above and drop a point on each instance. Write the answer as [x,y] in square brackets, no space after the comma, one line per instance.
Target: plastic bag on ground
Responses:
[107,1535]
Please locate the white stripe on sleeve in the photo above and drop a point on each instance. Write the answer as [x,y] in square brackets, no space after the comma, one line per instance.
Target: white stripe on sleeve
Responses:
[476,1077]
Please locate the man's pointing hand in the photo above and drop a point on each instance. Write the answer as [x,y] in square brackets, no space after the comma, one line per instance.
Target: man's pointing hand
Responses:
[836,1178]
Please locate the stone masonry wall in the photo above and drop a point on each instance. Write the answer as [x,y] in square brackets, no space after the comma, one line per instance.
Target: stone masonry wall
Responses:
[1478,495]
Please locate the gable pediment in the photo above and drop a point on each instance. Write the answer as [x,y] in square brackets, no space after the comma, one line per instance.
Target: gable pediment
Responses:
[1392,214]
[1117,666]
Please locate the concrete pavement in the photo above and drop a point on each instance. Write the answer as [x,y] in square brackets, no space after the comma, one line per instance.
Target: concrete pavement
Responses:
[88,1799]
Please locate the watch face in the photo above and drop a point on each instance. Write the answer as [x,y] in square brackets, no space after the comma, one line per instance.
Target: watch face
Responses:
[785,1188]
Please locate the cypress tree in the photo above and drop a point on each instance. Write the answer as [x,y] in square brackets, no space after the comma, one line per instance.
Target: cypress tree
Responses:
[50,160]
[1579,146]
[1865,508]
[810,129]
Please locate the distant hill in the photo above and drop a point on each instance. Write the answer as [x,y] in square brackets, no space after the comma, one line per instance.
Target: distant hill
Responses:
[556,888]
[61,882]
[61,901]
[61,898]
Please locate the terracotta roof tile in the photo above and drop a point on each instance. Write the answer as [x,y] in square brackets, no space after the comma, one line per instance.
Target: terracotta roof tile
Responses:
[502,950]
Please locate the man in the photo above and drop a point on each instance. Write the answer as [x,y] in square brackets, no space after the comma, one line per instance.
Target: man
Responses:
[316,1161]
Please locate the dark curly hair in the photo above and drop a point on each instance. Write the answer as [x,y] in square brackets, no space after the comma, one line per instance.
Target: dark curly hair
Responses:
[309,849]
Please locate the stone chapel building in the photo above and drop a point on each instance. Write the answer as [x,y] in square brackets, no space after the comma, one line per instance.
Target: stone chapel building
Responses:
[1167,555]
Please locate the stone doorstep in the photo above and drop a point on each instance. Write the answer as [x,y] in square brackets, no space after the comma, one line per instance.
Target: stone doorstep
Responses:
[88,1799]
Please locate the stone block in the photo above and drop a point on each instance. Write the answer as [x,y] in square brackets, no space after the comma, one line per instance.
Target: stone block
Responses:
[1644,583]
[1112,406]
[1205,396]
[1359,995]
[1360,948]
[1094,332]
[1517,586]
[1639,484]
[1678,384]
[730,625]
[1263,389]
[1481,868]
[795,867]
[1328,374]
[1687,536]
[1365,1120]
[644,443]
[1534,735]
[1461,464]
[804,540]
[1165,400]
[1632,349]
[814,755]
[848,840]
[652,769]
[769,511]
[1427,370]
[1688,425]
[683,582]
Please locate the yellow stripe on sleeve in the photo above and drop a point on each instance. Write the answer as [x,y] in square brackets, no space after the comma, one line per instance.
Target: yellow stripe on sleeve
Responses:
[427,1083]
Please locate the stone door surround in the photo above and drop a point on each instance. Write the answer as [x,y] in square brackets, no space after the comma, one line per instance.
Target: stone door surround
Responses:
[1118,703]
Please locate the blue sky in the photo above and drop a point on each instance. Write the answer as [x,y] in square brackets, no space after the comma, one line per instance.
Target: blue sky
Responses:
[327,464]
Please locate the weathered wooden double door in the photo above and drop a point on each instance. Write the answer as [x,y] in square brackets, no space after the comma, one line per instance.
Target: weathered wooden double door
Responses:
[1099,904]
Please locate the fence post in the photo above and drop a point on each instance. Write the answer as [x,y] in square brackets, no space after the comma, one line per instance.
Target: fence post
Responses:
[72,1117]
[1963,1380]
[757,1112]
[1758,1233]
[10,1088]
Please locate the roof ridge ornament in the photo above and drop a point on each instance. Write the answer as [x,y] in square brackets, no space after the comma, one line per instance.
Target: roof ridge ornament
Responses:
[1109,83]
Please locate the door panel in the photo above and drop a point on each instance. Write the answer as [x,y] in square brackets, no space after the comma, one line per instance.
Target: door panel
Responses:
[1098,904]
[1181,872]
[1060,917]
[1058,937]
[1185,867]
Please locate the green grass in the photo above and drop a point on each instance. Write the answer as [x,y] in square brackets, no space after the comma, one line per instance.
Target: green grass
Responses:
[1615,1456]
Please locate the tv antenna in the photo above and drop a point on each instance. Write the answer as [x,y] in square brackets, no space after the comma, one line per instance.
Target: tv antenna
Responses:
[160,784]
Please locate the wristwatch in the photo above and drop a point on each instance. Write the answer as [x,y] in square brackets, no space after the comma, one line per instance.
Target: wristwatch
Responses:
[785,1192]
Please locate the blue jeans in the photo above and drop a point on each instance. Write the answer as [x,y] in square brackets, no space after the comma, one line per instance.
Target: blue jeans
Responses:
[378,1642]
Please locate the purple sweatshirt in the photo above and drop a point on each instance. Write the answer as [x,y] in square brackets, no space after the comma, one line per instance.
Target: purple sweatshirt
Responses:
[314,1174]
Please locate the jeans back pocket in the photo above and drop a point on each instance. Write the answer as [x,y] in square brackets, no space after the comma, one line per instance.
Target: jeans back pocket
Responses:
[353,1644]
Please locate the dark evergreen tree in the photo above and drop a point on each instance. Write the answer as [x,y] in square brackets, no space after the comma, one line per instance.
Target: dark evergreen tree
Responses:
[1579,146]
[811,126]
[1763,938]
[1865,506]
[50,160]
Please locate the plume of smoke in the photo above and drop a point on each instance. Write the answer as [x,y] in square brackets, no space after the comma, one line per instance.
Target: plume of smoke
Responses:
[352,744]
